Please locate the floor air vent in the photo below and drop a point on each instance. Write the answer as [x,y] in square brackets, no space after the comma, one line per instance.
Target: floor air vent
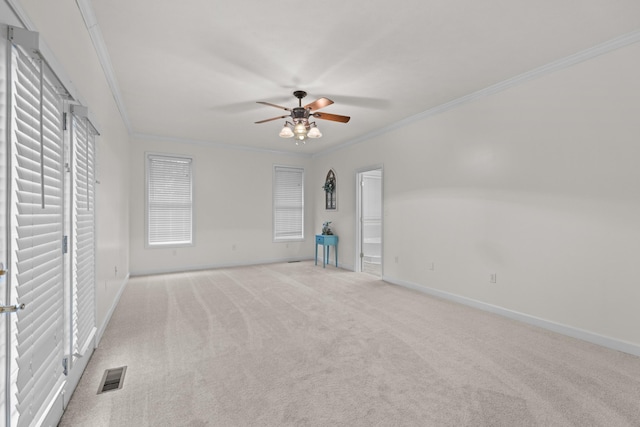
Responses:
[112,379]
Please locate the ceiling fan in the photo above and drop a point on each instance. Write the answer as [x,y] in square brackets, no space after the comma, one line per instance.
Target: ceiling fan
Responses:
[300,127]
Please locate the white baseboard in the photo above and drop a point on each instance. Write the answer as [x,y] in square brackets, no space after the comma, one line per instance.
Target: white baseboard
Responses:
[103,327]
[214,266]
[52,413]
[345,266]
[612,343]
[79,365]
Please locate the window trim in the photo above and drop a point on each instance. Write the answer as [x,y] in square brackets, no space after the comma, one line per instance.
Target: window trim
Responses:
[273,210]
[147,157]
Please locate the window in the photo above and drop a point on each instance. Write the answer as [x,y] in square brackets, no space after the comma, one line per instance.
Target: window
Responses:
[288,203]
[169,200]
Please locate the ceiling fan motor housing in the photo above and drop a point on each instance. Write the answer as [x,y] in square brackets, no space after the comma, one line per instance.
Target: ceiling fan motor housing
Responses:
[299,113]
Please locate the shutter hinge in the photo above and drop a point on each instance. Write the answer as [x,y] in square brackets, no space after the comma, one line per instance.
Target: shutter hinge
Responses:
[65,365]
[361,255]
[64,121]
[65,244]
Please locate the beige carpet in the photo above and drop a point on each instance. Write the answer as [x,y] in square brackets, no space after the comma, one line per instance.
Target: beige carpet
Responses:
[298,345]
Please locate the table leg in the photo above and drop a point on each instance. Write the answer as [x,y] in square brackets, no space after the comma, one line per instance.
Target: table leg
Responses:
[316,254]
[325,251]
[335,248]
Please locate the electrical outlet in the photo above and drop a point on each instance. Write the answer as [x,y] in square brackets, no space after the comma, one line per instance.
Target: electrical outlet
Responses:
[493,277]
[432,266]
[396,260]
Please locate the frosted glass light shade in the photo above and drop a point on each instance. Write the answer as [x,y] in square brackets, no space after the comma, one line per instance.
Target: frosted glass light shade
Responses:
[300,129]
[286,132]
[314,132]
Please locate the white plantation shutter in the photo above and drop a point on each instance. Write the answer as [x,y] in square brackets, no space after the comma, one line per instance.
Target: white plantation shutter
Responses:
[83,249]
[4,247]
[169,200]
[288,203]
[36,233]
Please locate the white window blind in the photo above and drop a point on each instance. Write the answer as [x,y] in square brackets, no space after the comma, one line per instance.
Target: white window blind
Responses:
[83,223]
[169,200]
[36,232]
[288,203]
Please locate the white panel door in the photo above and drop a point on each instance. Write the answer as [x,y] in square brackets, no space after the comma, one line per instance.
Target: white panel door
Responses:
[370,203]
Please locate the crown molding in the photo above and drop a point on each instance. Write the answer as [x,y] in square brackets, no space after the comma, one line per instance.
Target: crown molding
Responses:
[569,61]
[20,14]
[220,145]
[90,21]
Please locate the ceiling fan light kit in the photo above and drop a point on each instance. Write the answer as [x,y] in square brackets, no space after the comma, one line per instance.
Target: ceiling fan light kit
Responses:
[300,127]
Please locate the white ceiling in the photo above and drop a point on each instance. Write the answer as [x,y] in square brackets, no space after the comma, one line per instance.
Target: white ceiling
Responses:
[194,69]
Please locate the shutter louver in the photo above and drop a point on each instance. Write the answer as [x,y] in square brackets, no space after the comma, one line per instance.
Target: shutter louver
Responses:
[83,288]
[169,200]
[37,216]
[288,203]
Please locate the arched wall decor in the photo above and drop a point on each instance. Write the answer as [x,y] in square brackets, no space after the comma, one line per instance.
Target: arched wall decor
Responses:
[330,186]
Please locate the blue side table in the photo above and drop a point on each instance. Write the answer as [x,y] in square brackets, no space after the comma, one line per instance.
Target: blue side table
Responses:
[326,240]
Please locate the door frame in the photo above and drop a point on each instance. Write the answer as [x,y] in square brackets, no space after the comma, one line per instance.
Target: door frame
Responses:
[358,216]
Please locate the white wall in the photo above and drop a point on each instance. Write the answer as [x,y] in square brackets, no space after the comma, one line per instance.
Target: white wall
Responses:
[62,29]
[233,209]
[538,184]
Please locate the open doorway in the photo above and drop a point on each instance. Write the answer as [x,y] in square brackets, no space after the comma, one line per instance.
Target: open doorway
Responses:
[369,205]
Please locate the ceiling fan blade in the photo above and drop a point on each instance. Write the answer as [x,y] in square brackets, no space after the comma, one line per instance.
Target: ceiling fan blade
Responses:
[319,103]
[332,117]
[362,101]
[274,118]
[273,105]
